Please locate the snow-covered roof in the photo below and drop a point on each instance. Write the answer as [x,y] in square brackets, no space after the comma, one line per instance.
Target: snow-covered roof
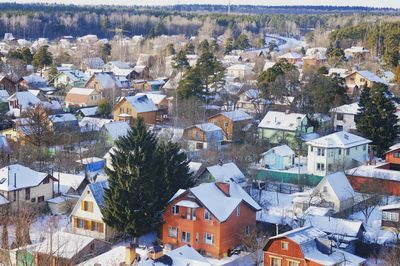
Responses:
[341,139]
[318,211]
[390,206]
[340,185]
[351,109]
[81,91]
[394,147]
[25,99]
[218,203]
[92,123]
[65,245]
[371,76]
[302,235]
[117,129]
[335,226]
[119,64]
[97,190]
[237,115]
[372,171]
[24,177]
[244,67]
[33,78]
[291,56]
[281,120]
[194,167]
[208,127]
[356,49]
[226,172]
[107,80]
[95,63]
[62,118]
[155,97]
[89,111]
[113,257]
[67,181]
[283,150]
[142,103]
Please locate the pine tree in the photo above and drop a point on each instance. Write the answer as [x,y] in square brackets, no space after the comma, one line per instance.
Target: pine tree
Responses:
[42,57]
[141,183]
[376,118]
[180,61]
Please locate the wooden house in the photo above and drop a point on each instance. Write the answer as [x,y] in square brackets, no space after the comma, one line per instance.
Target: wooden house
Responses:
[278,158]
[7,84]
[234,124]
[132,107]
[306,246]
[103,81]
[358,79]
[390,216]
[70,79]
[203,136]
[32,82]
[210,218]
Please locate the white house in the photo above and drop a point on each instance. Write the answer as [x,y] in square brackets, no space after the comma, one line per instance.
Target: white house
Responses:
[20,184]
[343,117]
[336,152]
[239,71]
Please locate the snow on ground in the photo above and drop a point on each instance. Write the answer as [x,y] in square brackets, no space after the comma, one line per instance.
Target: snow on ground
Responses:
[40,228]
[277,206]
[374,232]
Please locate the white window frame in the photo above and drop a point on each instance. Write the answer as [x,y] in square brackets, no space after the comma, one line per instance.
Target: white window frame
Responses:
[185,237]
[173,231]
[175,210]
[208,238]
[390,216]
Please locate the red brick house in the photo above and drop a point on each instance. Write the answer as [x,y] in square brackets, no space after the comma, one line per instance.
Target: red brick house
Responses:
[306,246]
[211,218]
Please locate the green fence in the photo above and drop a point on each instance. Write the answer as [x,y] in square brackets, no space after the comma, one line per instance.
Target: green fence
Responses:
[291,178]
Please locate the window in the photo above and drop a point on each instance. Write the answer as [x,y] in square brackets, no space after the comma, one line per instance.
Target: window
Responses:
[320,167]
[390,216]
[276,262]
[175,209]
[94,226]
[208,238]
[40,199]
[172,231]
[199,145]
[33,199]
[340,151]
[186,237]
[27,193]
[80,223]
[339,117]
[87,206]
[207,215]
[311,148]
[364,147]
[293,263]
[396,154]
[321,152]
[284,245]
[325,189]
[238,210]
[348,151]
[247,230]
[330,167]
[197,237]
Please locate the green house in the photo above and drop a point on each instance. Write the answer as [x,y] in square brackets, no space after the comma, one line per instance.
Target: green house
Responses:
[70,78]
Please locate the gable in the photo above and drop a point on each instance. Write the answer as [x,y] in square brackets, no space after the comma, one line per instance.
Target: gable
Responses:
[78,212]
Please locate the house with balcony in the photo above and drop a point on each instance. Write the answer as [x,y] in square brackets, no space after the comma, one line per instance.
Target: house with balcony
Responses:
[87,218]
[339,151]
[211,218]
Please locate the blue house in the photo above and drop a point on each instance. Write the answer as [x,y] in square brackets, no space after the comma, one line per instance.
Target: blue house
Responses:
[278,158]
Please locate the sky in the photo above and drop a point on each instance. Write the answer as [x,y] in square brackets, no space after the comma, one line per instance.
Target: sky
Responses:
[370,3]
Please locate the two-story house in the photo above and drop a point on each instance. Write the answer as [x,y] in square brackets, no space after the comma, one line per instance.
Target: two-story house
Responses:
[211,218]
[82,97]
[20,184]
[343,117]
[306,246]
[232,123]
[32,82]
[70,78]
[86,217]
[359,79]
[336,152]
[284,127]
[131,107]
[203,136]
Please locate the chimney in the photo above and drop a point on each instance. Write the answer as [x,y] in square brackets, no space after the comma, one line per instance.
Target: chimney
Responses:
[130,253]
[224,187]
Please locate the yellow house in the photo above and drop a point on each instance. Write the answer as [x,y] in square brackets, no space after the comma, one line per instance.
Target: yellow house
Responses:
[87,218]
[359,79]
[132,107]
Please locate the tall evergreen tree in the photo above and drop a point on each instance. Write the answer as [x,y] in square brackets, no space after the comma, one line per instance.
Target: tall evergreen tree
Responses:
[144,176]
[376,118]
[180,61]
[42,57]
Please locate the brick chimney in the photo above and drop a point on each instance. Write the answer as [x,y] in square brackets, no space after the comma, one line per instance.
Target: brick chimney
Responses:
[130,253]
[224,187]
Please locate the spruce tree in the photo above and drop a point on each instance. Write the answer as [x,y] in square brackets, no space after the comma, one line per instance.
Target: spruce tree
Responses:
[376,118]
[140,182]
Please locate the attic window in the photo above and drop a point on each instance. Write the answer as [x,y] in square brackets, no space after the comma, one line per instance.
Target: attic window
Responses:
[284,245]
[2,180]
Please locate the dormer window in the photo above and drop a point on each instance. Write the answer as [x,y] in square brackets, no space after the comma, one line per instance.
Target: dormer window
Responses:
[207,215]
[284,245]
